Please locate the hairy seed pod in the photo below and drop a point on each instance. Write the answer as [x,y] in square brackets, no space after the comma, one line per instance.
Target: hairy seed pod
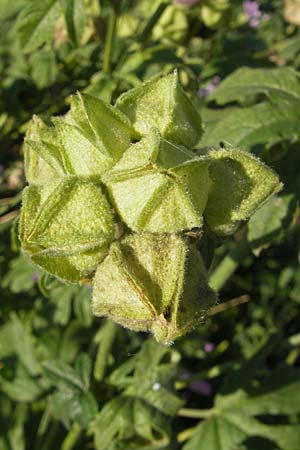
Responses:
[66,227]
[117,199]
[154,283]
[241,183]
[162,103]
[159,186]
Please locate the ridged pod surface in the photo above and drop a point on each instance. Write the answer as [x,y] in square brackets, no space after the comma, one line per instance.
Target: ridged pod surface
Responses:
[118,199]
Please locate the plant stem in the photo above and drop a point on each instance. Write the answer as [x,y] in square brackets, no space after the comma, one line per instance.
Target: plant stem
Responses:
[196,413]
[145,33]
[72,437]
[230,304]
[186,434]
[228,265]
[107,336]
[109,40]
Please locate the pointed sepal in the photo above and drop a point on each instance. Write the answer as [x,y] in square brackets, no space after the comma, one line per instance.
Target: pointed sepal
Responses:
[154,283]
[66,230]
[159,186]
[241,183]
[162,103]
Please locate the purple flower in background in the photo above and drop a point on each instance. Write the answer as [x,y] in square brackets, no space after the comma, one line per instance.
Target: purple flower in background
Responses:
[209,347]
[204,92]
[35,277]
[252,12]
[185,2]
[1,169]
[201,387]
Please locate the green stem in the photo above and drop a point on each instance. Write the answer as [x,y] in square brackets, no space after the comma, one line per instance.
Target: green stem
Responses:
[72,437]
[107,336]
[228,265]
[109,40]
[196,413]
[210,373]
[145,33]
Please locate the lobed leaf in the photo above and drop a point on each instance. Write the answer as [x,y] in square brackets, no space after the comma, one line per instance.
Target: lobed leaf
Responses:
[284,83]
[36,23]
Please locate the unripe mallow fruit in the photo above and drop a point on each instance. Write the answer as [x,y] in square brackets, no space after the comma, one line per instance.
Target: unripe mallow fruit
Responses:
[100,169]
[159,186]
[162,104]
[66,227]
[153,283]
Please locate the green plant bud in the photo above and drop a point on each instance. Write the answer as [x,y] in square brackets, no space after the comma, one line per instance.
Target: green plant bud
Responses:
[154,283]
[241,183]
[161,103]
[66,227]
[43,160]
[159,186]
[105,127]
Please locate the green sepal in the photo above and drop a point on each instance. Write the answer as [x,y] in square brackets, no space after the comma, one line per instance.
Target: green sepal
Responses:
[82,157]
[42,157]
[241,183]
[159,186]
[154,283]
[66,229]
[105,127]
[162,103]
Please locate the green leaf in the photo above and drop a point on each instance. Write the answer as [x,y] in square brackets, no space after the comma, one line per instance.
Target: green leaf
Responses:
[76,19]
[64,376]
[264,123]
[130,424]
[113,424]
[9,9]
[228,430]
[22,389]
[266,224]
[149,382]
[23,343]
[243,398]
[105,339]
[82,306]
[284,83]
[36,23]
[69,407]
[43,68]
[20,277]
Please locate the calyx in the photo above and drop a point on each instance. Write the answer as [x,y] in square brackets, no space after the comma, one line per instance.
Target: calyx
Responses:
[133,167]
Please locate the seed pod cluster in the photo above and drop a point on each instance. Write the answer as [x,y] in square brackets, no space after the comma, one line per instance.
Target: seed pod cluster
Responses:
[117,199]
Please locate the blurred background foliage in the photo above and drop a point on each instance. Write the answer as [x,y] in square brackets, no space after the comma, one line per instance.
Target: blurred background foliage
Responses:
[70,381]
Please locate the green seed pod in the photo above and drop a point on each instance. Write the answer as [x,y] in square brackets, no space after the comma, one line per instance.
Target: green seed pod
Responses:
[66,227]
[154,283]
[104,127]
[159,186]
[241,183]
[162,104]
[43,161]
[87,141]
